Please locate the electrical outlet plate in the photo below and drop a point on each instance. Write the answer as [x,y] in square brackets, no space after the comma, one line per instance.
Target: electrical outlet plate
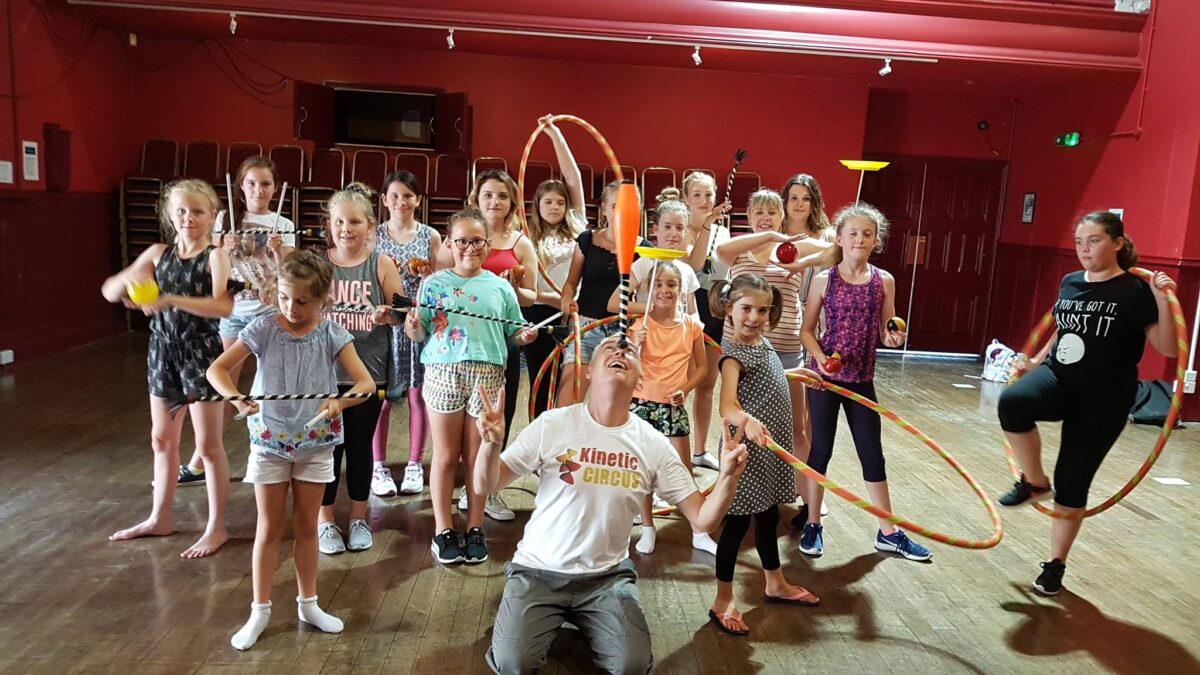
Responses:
[6,357]
[1132,6]
[1189,382]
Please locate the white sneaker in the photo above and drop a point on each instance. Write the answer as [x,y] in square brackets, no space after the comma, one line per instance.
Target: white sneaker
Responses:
[382,484]
[658,504]
[414,479]
[496,509]
[707,461]
[360,536]
[637,520]
[462,502]
[824,507]
[329,539]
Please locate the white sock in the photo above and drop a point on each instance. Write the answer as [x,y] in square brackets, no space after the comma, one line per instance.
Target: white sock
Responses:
[645,545]
[703,542]
[198,470]
[380,464]
[246,637]
[313,615]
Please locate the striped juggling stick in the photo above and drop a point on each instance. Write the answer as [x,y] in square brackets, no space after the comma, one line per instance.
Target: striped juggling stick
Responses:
[738,158]
[401,303]
[1181,367]
[190,399]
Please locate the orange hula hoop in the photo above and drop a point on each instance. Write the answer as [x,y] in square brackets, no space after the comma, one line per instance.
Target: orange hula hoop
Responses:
[1181,365]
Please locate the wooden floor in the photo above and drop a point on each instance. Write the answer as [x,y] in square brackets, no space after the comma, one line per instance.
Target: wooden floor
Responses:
[75,466]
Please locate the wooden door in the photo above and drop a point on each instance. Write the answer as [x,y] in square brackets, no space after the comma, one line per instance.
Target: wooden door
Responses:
[945,217]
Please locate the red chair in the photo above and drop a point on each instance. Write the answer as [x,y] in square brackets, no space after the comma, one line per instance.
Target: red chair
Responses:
[536,172]
[744,184]
[238,152]
[450,175]
[629,172]
[369,168]
[655,179]
[328,169]
[482,164]
[416,164]
[202,159]
[289,163]
[160,159]
[589,182]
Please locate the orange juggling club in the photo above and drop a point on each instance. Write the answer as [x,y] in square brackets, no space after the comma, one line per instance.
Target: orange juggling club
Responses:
[627,221]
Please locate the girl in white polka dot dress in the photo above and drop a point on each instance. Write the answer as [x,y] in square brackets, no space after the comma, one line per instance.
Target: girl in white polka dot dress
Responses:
[755,398]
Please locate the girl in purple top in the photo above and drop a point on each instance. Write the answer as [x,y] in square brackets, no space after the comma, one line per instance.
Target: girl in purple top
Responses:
[857,299]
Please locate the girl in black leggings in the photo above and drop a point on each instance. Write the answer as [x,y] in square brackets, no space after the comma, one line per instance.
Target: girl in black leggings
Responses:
[1103,317]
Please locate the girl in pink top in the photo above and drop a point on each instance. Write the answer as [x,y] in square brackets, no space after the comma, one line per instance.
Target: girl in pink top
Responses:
[671,342]
[858,299]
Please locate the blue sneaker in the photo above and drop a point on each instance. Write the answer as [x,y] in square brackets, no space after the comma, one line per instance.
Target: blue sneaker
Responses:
[898,542]
[810,541]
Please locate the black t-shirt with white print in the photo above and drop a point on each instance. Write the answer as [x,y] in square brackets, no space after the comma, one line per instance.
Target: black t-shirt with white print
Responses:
[1102,331]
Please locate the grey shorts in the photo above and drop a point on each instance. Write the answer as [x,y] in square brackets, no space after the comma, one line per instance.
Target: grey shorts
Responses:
[791,359]
[603,605]
[588,344]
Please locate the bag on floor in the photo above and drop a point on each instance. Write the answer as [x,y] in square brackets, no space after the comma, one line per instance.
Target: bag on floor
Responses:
[1152,403]
[999,362]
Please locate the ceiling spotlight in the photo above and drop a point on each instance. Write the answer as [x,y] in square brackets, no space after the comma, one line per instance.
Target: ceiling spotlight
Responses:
[886,69]
[232,23]
[696,56]
[450,39]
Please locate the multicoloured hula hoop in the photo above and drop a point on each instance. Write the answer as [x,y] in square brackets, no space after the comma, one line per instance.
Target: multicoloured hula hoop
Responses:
[824,481]
[600,140]
[1181,364]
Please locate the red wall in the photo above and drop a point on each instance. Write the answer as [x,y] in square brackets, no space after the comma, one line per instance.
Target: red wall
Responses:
[679,118]
[56,248]
[938,125]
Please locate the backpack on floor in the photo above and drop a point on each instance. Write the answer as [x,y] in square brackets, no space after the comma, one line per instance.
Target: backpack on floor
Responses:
[999,362]
[1152,403]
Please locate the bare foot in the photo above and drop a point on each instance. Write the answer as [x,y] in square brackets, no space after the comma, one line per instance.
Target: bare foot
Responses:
[146,528]
[207,544]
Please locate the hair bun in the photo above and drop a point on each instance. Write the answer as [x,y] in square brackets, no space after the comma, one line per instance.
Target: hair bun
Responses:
[670,193]
[362,189]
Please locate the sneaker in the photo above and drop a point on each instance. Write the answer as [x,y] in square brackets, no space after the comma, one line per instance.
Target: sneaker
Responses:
[496,509]
[658,503]
[706,461]
[189,477]
[898,542]
[637,520]
[360,536]
[1022,492]
[414,479]
[801,518]
[1049,582]
[811,542]
[462,502]
[476,548]
[329,539]
[446,548]
[382,484]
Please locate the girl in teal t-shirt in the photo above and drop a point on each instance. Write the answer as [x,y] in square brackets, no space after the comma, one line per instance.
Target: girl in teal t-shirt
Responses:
[461,354]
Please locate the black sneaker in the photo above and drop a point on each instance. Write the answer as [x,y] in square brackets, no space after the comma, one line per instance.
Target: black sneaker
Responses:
[477,551]
[189,477]
[1049,582]
[1022,492]
[446,547]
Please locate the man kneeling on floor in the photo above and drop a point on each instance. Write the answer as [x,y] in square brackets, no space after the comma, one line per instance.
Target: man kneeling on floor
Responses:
[596,463]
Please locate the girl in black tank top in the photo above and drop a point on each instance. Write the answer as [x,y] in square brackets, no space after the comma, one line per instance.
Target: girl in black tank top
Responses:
[191,277]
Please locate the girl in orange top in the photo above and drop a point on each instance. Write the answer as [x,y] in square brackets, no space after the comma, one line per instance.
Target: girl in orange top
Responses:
[670,341]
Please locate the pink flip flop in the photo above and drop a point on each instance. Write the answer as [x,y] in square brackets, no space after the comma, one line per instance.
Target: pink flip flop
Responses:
[801,599]
[718,619]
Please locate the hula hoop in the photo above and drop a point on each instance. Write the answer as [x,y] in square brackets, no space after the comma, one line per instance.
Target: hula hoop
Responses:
[1181,364]
[825,482]
[604,146]
[578,354]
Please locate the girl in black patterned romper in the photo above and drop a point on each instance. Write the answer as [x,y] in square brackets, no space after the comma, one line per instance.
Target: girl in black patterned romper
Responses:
[754,397]
[191,277]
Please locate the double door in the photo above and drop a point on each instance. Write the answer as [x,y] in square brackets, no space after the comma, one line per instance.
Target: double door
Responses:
[945,224]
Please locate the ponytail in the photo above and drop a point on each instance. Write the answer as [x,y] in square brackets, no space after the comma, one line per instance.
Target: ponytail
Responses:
[1112,225]
[1127,257]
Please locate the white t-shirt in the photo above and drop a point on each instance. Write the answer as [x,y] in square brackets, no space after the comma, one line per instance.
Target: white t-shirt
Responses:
[247,303]
[593,480]
[642,267]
